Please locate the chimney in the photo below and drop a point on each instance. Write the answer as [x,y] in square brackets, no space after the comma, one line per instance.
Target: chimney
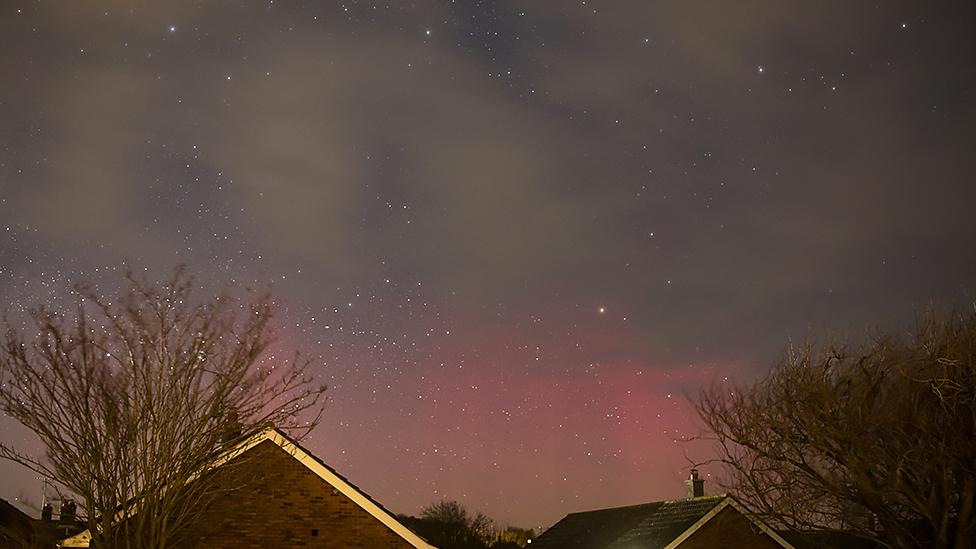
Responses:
[695,485]
[67,514]
[47,512]
[231,429]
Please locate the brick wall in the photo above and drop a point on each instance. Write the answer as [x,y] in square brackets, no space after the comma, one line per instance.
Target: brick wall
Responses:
[729,530]
[269,499]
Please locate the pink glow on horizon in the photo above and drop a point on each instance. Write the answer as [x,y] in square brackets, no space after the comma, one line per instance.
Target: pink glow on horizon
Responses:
[525,446]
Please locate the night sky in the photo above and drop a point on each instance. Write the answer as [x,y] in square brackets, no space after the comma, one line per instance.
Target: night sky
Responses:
[513,235]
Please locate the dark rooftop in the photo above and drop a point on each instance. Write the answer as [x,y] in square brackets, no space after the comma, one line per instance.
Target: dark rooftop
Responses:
[648,525]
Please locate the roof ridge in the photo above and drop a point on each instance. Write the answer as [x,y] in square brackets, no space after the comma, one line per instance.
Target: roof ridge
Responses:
[716,497]
[331,469]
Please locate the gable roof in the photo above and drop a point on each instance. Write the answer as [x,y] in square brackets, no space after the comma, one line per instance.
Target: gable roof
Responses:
[657,525]
[316,466]
[602,527]
[329,475]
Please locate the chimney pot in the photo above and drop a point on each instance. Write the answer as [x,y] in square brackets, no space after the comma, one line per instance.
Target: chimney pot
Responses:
[695,485]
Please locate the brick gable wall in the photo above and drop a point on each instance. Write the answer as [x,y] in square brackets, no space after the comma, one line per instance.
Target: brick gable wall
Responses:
[272,500]
[729,529]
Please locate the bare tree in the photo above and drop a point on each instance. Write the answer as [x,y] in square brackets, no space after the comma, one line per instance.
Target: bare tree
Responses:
[452,512]
[133,397]
[877,439]
[449,525]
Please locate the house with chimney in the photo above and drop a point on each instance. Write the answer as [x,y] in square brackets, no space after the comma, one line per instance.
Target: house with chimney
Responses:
[696,522]
[18,530]
[281,495]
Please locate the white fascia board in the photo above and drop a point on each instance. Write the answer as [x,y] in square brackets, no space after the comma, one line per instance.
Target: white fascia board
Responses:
[760,524]
[83,539]
[338,483]
[729,501]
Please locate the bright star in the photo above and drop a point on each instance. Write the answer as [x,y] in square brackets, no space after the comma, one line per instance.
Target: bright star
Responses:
[172,28]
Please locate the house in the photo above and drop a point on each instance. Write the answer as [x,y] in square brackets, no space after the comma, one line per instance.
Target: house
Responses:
[19,530]
[696,522]
[283,496]
[16,528]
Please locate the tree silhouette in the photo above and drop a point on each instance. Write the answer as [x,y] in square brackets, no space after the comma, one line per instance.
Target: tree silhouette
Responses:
[132,398]
[877,439]
[448,525]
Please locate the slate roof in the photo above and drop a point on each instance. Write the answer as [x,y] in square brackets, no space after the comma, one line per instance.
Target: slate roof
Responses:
[650,525]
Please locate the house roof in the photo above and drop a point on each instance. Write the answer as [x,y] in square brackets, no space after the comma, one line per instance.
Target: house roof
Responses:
[337,481]
[14,522]
[315,465]
[656,525]
[831,539]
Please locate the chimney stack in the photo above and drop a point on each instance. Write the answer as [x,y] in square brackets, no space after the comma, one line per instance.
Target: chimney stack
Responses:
[695,485]
[231,429]
[68,510]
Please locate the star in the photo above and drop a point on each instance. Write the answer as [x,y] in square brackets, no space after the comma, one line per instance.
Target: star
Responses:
[172,28]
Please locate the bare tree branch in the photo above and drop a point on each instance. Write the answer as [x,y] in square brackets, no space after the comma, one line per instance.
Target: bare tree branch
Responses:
[879,440]
[132,397]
